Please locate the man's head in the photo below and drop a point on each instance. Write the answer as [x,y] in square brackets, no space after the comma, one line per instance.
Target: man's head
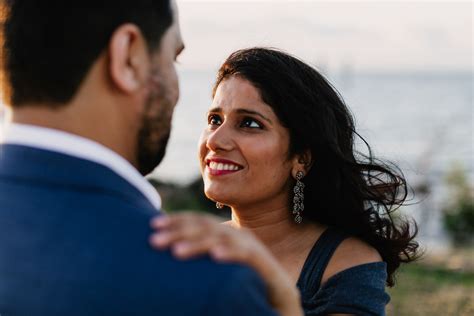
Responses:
[109,61]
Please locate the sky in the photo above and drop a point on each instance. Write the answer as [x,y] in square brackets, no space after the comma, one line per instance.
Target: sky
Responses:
[361,36]
[380,36]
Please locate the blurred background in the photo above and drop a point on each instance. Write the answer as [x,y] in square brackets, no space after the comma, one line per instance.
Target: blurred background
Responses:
[404,68]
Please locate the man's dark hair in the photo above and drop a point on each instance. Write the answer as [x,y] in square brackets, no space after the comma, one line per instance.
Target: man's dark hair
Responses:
[50,45]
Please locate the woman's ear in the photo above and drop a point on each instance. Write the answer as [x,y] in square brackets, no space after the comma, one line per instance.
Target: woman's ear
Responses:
[128,58]
[302,162]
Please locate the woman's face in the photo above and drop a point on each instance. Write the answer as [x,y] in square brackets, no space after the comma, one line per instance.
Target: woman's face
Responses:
[244,149]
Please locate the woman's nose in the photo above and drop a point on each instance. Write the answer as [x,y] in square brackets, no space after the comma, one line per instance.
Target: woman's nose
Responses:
[220,139]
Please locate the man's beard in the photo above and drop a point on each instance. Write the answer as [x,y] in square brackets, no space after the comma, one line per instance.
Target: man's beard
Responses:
[154,133]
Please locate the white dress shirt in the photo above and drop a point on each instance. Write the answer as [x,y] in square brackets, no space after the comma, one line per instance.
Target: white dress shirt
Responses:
[80,147]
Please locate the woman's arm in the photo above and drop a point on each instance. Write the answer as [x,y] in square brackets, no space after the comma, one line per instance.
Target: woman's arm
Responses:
[189,235]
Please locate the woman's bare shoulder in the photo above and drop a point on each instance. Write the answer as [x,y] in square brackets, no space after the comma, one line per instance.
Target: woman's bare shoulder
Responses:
[350,253]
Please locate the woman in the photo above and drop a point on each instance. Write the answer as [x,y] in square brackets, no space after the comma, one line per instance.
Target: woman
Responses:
[307,208]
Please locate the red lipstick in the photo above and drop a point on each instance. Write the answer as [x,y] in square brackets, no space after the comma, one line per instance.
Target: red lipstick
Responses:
[220,166]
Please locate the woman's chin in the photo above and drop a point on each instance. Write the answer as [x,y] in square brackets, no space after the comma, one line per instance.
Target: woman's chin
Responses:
[220,197]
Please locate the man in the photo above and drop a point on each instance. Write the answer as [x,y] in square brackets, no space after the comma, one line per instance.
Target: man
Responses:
[92,87]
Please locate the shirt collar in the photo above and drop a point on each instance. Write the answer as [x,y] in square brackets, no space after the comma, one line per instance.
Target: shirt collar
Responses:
[80,147]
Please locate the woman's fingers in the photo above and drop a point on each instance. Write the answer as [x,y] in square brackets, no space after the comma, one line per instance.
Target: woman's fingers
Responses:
[166,237]
[178,228]
[190,235]
[180,219]
[190,249]
[224,254]
[235,246]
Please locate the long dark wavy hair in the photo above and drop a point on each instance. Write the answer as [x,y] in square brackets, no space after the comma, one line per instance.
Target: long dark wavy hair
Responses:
[345,188]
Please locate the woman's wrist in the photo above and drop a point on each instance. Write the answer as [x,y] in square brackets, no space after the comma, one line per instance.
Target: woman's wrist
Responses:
[291,305]
[283,293]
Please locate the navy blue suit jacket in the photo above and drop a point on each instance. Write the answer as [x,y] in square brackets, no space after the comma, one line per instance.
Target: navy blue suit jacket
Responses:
[74,241]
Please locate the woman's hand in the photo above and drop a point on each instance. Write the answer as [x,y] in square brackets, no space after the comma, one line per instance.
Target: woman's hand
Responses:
[190,235]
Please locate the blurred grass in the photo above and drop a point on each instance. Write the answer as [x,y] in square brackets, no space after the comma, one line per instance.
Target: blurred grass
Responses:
[425,289]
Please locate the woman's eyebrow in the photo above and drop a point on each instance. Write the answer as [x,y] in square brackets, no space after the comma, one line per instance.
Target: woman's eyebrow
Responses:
[215,110]
[251,112]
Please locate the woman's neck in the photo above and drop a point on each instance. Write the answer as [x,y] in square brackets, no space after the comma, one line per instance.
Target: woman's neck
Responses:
[290,243]
[275,227]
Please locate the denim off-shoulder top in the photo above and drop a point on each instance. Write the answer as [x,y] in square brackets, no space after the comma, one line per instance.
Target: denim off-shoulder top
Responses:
[359,290]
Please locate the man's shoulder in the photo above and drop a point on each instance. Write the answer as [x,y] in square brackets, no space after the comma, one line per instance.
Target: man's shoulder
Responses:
[51,174]
[157,280]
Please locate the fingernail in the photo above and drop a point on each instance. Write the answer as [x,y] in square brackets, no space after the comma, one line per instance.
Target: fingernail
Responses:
[159,222]
[160,239]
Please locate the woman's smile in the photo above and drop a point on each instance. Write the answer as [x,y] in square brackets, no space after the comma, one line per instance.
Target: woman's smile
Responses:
[220,166]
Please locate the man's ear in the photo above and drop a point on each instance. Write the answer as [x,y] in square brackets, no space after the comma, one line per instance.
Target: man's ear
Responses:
[129,60]
[302,162]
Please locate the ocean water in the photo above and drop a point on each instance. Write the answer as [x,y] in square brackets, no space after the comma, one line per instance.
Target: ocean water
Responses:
[423,122]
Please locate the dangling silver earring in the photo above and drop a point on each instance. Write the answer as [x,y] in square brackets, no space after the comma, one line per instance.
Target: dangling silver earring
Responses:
[298,199]
[219,205]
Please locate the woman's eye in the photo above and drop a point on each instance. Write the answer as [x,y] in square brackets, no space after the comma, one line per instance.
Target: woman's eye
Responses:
[251,123]
[214,120]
